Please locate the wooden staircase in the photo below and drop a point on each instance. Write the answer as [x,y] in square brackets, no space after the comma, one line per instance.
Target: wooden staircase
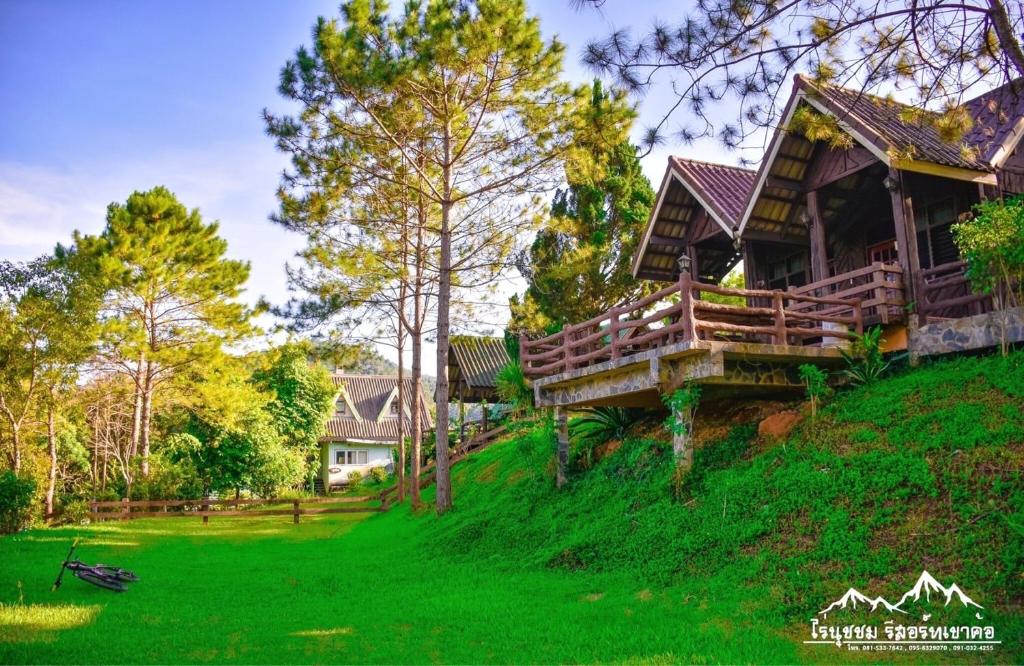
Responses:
[477,443]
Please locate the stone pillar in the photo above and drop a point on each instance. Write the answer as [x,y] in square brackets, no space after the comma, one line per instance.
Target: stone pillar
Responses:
[682,440]
[562,453]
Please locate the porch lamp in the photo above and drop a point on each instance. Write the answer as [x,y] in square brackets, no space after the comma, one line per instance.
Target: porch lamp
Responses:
[890,183]
[684,263]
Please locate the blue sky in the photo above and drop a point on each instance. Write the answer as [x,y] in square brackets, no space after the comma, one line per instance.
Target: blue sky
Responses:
[106,97]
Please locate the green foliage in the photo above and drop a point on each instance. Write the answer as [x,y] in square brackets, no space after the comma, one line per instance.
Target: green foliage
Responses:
[816,384]
[512,387]
[599,425]
[301,401]
[817,126]
[734,280]
[17,494]
[865,362]
[682,404]
[992,243]
[354,479]
[579,264]
[378,474]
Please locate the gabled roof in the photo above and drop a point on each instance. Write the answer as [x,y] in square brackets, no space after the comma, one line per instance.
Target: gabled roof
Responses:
[369,397]
[696,200]
[898,135]
[478,358]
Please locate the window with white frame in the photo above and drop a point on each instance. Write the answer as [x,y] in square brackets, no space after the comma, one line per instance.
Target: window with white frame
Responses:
[340,408]
[348,457]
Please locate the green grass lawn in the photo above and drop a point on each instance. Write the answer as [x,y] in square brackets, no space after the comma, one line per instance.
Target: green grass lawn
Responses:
[343,589]
[923,470]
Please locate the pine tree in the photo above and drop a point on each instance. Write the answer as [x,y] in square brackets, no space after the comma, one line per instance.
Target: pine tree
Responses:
[170,297]
[580,263]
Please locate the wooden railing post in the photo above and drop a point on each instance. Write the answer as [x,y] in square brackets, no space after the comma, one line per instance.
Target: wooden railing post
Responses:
[524,354]
[921,290]
[94,511]
[566,349]
[858,316]
[613,331]
[686,306]
[206,511]
[779,318]
[295,511]
[880,292]
[125,508]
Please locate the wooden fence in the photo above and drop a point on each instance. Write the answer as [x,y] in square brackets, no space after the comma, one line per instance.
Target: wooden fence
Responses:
[204,508]
[944,291]
[879,288]
[769,316]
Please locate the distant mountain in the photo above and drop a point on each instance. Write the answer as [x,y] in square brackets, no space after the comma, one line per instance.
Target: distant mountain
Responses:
[927,585]
[853,598]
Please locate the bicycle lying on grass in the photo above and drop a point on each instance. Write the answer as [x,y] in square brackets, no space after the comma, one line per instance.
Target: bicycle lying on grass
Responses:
[101,575]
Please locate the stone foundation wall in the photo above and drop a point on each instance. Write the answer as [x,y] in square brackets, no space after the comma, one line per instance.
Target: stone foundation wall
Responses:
[967,333]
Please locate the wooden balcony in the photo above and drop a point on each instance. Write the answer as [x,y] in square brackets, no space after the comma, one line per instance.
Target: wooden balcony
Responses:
[775,318]
[879,288]
[944,292]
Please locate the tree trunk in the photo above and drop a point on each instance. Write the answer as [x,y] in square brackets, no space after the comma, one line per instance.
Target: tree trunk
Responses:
[137,409]
[401,408]
[444,288]
[51,440]
[147,417]
[414,408]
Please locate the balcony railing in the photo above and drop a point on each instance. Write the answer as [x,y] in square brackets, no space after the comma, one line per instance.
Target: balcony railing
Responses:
[769,317]
[879,287]
[945,292]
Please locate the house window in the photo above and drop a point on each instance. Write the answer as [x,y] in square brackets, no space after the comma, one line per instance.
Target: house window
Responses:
[788,272]
[340,408]
[935,244]
[346,457]
[394,407]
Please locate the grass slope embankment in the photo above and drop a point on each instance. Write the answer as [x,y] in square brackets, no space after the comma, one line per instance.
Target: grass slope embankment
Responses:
[922,470]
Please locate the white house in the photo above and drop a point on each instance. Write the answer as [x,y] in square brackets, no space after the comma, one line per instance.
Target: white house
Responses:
[363,433]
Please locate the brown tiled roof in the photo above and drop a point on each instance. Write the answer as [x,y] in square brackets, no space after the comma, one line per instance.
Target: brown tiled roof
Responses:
[994,115]
[369,394]
[724,188]
[479,359]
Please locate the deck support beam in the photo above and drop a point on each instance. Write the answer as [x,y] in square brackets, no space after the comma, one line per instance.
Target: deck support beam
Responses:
[682,440]
[562,452]
[906,233]
[819,246]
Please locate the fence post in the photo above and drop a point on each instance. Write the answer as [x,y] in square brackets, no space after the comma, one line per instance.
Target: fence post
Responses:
[295,511]
[686,306]
[94,511]
[858,316]
[780,318]
[206,511]
[125,508]
[613,329]
[566,349]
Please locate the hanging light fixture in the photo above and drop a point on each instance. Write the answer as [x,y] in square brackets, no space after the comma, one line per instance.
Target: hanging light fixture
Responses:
[684,263]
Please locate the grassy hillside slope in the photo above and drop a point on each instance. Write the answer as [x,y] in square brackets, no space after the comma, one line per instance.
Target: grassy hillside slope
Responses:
[920,471]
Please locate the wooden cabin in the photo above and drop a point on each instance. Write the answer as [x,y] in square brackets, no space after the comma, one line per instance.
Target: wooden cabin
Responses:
[833,240]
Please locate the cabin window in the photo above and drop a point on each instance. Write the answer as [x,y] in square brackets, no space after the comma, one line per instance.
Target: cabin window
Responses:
[394,407]
[350,457]
[340,408]
[935,244]
[788,272]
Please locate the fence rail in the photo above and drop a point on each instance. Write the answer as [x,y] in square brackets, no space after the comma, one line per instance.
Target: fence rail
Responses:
[944,291]
[879,287]
[204,508]
[768,316]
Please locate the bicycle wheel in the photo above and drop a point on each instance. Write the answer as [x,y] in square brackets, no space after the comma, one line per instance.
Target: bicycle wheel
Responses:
[122,575]
[101,581]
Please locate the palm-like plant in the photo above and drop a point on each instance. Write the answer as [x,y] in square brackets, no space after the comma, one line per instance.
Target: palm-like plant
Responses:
[512,388]
[598,425]
[865,361]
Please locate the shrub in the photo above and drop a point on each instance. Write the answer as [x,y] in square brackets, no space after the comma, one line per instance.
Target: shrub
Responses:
[75,512]
[354,479]
[378,474]
[865,363]
[16,496]
[512,387]
[816,382]
[599,425]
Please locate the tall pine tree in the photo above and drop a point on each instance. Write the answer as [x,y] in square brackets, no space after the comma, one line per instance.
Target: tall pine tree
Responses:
[580,263]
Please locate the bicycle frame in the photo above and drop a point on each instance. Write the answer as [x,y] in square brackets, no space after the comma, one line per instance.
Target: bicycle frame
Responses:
[60,576]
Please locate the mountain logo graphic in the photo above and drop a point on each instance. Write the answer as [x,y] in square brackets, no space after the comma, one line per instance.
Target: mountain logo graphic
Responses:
[926,587]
